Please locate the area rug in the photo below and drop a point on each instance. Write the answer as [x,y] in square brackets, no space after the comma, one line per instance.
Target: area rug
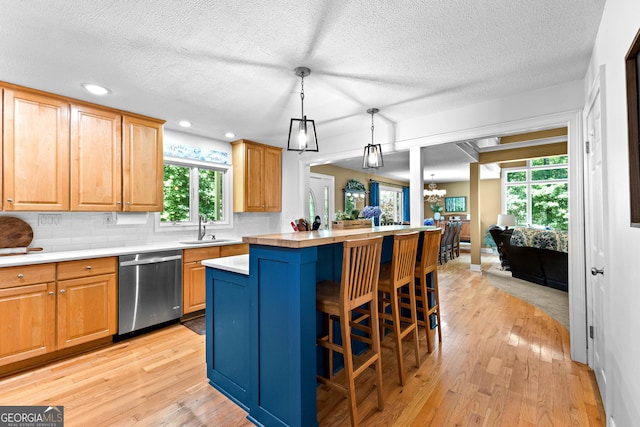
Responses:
[552,301]
[197,325]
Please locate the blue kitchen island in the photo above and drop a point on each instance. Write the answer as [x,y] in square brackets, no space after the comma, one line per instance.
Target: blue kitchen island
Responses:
[261,321]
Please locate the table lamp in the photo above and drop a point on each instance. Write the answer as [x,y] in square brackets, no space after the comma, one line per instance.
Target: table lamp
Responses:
[506,220]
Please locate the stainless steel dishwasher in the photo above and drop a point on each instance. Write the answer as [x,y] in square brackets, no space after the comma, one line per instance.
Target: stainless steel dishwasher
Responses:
[149,289]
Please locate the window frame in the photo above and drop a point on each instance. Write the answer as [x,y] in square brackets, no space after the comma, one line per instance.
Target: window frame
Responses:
[393,189]
[227,191]
[529,182]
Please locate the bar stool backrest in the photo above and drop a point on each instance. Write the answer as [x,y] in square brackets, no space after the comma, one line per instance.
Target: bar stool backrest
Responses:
[430,250]
[360,271]
[403,263]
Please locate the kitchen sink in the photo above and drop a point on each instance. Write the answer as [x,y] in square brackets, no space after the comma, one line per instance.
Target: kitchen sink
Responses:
[205,242]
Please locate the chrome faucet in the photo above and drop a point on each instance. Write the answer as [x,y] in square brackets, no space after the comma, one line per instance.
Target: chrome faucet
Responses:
[202,229]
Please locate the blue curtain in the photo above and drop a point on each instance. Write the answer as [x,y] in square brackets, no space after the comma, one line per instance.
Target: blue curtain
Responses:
[405,204]
[374,198]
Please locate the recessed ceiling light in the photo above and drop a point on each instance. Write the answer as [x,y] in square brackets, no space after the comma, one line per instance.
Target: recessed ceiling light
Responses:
[185,123]
[95,89]
[230,135]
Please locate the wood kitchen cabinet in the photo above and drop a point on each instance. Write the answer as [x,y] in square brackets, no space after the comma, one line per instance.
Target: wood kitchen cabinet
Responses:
[35,152]
[193,273]
[257,177]
[87,303]
[96,159]
[142,165]
[27,312]
[61,154]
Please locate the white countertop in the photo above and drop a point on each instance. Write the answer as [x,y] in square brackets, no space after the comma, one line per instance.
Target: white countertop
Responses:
[45,257]
[235,264]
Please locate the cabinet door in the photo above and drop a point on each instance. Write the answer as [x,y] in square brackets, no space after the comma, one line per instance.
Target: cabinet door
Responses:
[87,309]
[142,165]
[36,152]
[254,178]
[27,322]
[96,159]
[193,287]
[272,180]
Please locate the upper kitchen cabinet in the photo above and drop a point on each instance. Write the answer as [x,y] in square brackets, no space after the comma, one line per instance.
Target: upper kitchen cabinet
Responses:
[257,177]
[142,165]
[61,154]
[96,159]
[35,152]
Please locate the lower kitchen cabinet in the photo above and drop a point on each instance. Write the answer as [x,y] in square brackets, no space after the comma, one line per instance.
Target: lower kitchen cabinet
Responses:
[229,336]
[87,301]
[193,273]
[42,312]
[27,312]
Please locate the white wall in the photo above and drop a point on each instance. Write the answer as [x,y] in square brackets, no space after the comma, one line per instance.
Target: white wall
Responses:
[619,25]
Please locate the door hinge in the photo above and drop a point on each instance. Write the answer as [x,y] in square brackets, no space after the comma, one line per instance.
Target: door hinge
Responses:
[586,146]
[591,331]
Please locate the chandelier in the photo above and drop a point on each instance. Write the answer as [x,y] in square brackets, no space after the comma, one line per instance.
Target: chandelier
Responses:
[432,195]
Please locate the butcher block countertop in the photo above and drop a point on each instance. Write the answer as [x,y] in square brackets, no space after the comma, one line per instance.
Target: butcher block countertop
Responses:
[305,239]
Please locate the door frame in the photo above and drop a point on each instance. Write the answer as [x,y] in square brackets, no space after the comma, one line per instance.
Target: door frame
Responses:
[332,195]
[597,89]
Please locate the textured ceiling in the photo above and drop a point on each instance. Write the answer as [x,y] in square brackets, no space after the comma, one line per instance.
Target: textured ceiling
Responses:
[228,65]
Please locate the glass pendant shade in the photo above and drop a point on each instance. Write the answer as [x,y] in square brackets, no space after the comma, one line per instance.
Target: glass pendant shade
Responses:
[372,157]
[302,132]
[302,135]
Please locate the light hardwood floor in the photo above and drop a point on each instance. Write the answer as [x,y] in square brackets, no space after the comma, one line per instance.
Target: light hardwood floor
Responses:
[502,363]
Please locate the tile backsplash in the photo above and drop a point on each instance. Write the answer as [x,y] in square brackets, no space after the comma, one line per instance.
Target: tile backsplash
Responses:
[67,231]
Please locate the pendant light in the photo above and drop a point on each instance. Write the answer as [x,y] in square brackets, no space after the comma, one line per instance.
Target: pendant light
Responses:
[302,132]
[372,157]
[433,195]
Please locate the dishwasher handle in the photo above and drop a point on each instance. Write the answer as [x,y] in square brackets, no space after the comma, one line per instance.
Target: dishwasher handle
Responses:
[150,260]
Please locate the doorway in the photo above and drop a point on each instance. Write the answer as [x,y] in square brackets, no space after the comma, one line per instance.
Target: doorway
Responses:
[321,198]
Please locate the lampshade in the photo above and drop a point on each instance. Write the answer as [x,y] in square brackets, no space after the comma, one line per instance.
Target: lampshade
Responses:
[302,132]
[372,157]
[506,220]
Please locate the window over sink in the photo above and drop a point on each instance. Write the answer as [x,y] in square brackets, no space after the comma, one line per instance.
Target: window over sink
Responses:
[193,188]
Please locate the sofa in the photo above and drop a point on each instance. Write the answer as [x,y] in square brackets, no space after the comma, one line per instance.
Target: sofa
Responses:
[538,256]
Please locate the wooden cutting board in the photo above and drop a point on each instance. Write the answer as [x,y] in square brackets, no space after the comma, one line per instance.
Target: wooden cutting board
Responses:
[14,232]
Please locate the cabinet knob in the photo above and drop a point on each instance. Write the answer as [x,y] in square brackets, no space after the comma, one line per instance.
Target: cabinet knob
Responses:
[89,267]
[118,203]
[20,276]
[62,291]
[51,292]
[128,203]
[10,200]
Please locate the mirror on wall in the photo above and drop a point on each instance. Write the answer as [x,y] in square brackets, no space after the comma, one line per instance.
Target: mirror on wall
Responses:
[355,196]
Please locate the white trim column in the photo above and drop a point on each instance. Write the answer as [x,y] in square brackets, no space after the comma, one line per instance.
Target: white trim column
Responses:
[416,186]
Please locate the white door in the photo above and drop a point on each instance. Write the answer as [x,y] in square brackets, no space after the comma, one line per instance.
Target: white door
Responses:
[321,198]
[596,198]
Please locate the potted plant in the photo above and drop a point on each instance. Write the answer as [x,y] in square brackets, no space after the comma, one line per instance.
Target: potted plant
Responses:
[436,208]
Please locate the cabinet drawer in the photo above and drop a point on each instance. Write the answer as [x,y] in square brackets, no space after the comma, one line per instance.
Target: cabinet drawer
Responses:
[190,255]
[27,275]
[230,250]
[87,267]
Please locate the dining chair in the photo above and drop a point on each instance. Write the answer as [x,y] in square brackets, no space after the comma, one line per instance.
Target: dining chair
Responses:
[396,313]
[353,304]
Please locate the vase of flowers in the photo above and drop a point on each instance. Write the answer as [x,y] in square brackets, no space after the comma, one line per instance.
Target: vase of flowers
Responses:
[436,208]
[371,212]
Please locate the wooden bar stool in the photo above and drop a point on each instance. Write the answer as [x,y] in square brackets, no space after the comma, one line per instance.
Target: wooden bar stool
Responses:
[428,263]
[392,279]
[353,303]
